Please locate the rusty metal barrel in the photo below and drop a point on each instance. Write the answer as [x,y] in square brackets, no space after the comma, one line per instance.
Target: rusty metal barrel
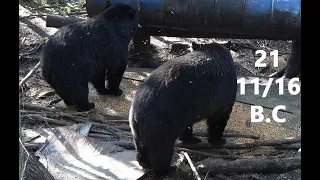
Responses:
[252,19]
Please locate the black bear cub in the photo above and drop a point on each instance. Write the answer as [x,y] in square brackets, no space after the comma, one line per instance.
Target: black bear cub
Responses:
[199,85]
[82,52]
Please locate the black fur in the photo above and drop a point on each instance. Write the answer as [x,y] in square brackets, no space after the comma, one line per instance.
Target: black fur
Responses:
[182,91]
[83,51]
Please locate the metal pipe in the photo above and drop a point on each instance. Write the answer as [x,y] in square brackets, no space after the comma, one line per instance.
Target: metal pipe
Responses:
[252,19]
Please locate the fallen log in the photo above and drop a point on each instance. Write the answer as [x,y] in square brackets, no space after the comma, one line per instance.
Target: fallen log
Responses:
[225,134]
[32,169]
[250,165]
[276,142]
[114,118]
[202,145]
[209,154]
[57,21]
[295,146]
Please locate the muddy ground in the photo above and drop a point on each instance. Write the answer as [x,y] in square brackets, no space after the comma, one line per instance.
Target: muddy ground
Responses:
[32,33]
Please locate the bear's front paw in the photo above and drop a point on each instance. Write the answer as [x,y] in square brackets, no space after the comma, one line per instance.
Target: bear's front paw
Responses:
[143,161]
[217,142]
[88,107]
[102,91]
[190,140]
[113,92]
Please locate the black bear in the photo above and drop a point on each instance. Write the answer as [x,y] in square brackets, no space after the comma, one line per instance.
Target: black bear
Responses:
[199,85]
[82,52]
[293,67]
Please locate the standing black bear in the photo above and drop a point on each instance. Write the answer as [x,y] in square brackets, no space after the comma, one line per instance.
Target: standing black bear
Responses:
[182,91]
[83,51]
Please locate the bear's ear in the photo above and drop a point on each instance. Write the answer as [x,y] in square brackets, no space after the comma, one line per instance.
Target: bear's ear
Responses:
[132,14]
[107,5]
[228,44]
[195,46]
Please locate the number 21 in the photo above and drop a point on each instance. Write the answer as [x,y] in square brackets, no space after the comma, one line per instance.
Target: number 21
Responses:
[264,55]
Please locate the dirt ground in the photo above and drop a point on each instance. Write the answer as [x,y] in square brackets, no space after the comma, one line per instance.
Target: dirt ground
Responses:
[32,33]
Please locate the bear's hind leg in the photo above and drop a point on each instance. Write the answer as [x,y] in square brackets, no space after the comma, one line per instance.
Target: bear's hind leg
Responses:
[216,126]
[114,79]
[187,136]
[66,99]
[80,98]
[98,81]
[65,94]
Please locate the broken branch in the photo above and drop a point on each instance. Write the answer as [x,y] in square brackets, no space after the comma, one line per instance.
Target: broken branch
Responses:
[25,79]
[36,107]
[193,168]
[45,119]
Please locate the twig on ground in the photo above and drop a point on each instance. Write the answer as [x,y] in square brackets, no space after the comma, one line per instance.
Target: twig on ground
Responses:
[29,112]
[45,119]
[243,46]
[99,136]
[22,41]
[25,79]
[193,168]
[33,50]
[255,177]
[263,106]
[41,15]
[44,7]
[117,121]
[36,107]
[133,79]
[105,115]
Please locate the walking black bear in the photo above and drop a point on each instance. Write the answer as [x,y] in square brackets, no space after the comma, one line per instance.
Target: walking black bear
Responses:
[81,52]
[182,91]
